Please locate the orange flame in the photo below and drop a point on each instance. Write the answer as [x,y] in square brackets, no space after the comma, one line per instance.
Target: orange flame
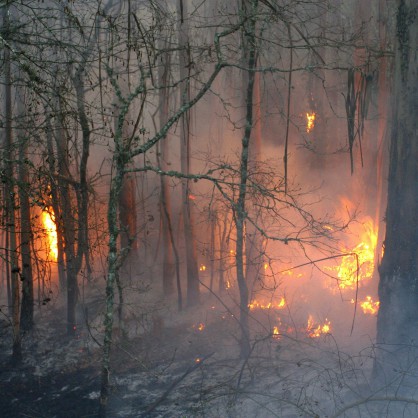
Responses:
[370,307]
[48,221]
[359,265]
[310,121]
[315,331]
[255,304]
[200,326]
[276,333]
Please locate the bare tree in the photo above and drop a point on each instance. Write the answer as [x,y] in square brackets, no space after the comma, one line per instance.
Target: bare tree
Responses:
[396,331]
[10,194]
[185,138]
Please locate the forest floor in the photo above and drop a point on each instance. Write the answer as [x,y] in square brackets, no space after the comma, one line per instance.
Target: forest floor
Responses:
[184,365]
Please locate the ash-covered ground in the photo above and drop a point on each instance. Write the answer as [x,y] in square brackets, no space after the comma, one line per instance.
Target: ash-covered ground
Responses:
[167,364]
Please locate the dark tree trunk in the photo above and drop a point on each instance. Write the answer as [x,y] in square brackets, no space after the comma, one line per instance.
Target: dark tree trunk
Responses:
[127,214]
[10,197]
[190,242]
[253,238]
[397,332]
[165,198]
[240,207]
[26,313]
[55,203]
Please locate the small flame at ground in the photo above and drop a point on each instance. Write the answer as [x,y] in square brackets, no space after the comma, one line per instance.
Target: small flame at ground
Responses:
[202,268]
[255,304]
[370,307]
[51,234]
[200,326]
[276,333]
[315,331]
[310,121]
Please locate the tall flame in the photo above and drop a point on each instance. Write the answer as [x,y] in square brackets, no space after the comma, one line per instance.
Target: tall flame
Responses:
[51,233]
[359,265]
[310,121]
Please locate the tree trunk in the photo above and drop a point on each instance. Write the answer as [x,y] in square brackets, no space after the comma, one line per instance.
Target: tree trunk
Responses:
[26,314]
[10,197]
[397,333]
[240,209]
[253,238]
[165,199]
[190,242]
[55,199]
[127,214]
[66,221]
[113,271]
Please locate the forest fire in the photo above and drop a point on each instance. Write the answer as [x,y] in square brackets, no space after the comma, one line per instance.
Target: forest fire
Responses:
[358,265]
[315,331]
[50,230]
[310,121]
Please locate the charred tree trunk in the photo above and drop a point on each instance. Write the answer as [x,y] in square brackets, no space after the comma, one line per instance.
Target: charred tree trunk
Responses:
[190,242]
[397,333]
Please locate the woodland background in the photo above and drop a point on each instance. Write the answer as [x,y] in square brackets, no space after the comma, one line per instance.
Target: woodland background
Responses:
[208,208]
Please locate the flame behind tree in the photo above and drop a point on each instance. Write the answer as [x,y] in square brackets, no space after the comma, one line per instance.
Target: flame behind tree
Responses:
[50,229]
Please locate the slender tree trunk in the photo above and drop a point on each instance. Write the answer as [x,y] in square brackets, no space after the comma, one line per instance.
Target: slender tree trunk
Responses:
[165,198]
[190,242]
[397,333]
[55,199]
[253,238]
[66,222]
[224,253]
[26,314]
[240,209]
[113,271]
[10,196]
